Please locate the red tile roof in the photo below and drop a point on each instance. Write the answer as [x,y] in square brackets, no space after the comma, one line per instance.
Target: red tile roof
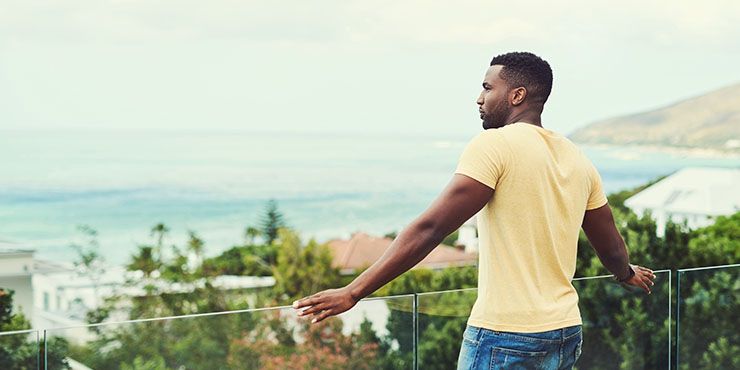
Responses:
[362,250]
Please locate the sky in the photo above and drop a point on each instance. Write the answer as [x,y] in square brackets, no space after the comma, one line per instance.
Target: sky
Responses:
[343,66]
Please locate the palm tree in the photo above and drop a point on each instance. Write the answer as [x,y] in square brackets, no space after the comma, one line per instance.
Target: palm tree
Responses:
[195,250]
[159,231]
[251,234]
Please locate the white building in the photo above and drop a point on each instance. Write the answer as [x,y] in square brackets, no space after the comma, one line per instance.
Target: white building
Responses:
[16,271]
[63,297]
[468,235]
[55,295]
[695,195]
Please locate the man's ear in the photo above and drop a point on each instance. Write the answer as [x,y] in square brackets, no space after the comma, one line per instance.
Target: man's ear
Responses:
[518,95]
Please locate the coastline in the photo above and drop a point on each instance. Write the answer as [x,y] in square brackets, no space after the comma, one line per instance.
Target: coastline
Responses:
[683,152]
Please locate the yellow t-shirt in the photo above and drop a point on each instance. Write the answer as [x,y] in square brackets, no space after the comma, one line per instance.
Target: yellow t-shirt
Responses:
[528,231]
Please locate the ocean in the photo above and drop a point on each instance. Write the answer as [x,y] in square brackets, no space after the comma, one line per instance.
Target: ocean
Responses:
[217,183]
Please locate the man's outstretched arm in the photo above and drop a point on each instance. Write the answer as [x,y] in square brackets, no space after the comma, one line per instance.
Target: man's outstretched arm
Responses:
[460,200]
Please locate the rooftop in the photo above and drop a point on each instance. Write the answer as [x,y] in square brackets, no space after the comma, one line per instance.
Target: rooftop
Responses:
[362,250]
[693,190]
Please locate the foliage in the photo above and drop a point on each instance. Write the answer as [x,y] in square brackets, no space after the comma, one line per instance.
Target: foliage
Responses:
[21,351]
[441,318]
[252,260]
[224,341]
[622,333]
[89,261]
[450,240]
[719,241]
[302,270]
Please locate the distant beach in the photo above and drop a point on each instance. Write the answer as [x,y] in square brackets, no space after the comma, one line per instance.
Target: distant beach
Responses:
[703,153]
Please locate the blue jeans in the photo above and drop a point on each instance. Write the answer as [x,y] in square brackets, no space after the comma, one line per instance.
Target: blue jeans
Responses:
[493,350]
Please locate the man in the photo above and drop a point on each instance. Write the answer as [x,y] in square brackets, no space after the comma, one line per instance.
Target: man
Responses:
[534,189]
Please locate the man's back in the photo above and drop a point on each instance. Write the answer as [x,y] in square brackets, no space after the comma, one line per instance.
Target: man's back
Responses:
[528,231]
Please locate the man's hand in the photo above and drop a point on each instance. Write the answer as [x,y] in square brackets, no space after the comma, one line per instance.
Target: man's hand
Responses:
[642,279]
[326,303]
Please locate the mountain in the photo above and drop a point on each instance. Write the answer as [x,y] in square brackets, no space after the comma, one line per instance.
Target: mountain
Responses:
[710,121]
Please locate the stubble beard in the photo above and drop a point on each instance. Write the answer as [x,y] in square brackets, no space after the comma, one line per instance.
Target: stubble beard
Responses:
[497,117]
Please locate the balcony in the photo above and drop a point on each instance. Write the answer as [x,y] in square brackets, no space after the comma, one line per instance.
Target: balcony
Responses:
[688,322]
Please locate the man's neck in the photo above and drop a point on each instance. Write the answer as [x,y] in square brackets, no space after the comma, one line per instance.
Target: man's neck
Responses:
[530,117]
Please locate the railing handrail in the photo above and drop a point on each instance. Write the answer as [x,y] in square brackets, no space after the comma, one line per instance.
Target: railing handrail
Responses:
[203,314]
[708,267]
[262,309]
[575,279]
[25,331]
[447,291]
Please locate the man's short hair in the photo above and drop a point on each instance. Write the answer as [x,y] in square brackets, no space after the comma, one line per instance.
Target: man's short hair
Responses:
[527,70]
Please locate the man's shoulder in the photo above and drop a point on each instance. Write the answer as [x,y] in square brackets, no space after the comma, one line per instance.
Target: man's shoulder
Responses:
[489,137]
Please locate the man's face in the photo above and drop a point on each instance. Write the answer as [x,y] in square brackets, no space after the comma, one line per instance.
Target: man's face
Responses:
[493,103]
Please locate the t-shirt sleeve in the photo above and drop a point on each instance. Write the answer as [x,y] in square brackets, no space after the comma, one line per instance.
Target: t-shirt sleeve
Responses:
[484,158]
[596,197]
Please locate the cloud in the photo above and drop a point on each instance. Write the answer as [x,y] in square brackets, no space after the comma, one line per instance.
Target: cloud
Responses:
[469,22]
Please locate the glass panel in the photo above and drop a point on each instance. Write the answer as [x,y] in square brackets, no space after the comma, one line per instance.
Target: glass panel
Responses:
[19,350]
[622,329]
[709,318]
[375,334]
[442,317]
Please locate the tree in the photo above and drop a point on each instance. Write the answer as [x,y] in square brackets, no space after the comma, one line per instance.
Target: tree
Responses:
[717,242]
[21,351]
[441,317]
[262,339]
[251,234]
[272,221]
[451,239]
[195,244]
[89,262]
[252,260]
[159,231]
[302,270]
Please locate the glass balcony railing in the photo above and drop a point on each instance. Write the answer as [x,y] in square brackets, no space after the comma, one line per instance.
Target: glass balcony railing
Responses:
[442,317]
[708,318]
[377,333]
[20,349]
[625,329]
[622,329]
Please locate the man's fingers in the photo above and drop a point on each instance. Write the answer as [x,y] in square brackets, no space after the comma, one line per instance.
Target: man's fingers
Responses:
[322,316]
[308,301]
[650,280]
[648,271]
[645,286]
[647,278]
[301,303]
[312,309]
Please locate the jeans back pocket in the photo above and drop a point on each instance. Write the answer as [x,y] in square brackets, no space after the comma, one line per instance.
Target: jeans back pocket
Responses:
[505,358]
